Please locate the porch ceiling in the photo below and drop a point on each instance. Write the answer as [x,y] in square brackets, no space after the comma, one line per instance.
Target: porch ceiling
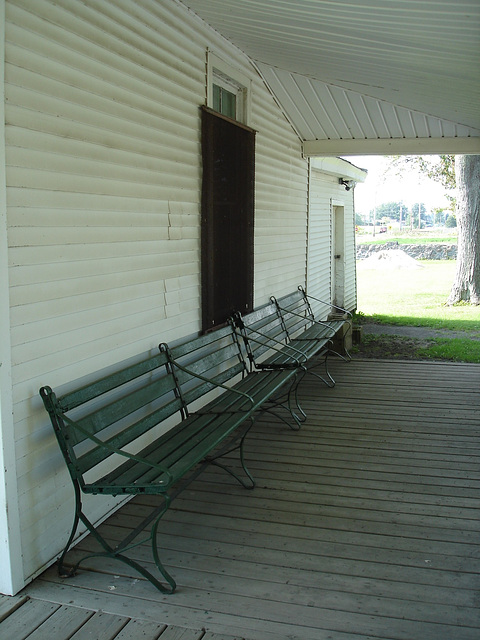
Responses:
[364,76]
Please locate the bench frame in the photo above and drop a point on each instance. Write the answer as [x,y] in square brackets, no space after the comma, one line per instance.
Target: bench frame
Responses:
[170,383]
[338,318]
[313,337]
[70,434]
[285,333]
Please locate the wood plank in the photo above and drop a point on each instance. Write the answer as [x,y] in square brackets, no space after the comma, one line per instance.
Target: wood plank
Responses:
[467,459]
[310,517]
[340,471]
[140,630]
[177,633]
[9,604]
[232,557]
[101,626]
[216,636]
[23,622]
[282,498]
[373,558]
[364,524]
[336,432]
[333,490]
[293,617]
[64,623]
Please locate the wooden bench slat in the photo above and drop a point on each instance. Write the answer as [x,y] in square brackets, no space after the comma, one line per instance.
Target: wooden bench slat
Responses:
[211,431]
[285,333]
[98,453]
[126,405]
[80,396]
[188,445]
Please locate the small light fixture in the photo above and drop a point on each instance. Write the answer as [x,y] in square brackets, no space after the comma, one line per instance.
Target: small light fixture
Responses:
[348,184]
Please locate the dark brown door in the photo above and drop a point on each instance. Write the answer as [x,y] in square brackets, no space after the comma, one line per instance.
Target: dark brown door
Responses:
[228,152]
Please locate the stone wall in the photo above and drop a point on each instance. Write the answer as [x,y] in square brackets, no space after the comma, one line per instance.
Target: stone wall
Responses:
[428,251]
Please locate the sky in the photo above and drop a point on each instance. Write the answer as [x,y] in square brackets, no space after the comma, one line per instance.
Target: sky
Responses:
[378,188]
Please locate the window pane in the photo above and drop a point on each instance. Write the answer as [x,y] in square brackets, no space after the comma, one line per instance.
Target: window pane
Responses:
[225,102]
[229,101]
[217,105]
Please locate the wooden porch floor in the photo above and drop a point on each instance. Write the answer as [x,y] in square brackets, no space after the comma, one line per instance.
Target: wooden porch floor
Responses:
[364,524]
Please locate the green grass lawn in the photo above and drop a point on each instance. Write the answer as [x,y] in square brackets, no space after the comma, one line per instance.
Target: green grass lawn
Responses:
[414,297]
[417,298]
[417,236]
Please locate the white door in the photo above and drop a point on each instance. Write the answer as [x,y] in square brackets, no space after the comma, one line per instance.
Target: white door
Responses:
[338,255]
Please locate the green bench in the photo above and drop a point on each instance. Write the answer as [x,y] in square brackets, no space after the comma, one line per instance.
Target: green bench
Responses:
[287,326]
[301,323]
[134,431]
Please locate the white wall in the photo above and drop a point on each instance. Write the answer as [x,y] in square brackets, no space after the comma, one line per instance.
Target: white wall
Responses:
[103,192]
[325,195]
[11,576]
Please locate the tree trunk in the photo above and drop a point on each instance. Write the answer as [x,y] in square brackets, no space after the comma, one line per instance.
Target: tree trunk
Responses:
[467,279]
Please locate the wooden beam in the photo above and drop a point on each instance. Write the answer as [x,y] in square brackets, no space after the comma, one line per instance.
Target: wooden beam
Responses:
[391,146]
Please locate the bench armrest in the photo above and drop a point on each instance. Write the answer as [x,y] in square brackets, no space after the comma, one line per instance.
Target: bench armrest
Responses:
[296,353]
[120,452]
[199,376]
[327,304]
[323,323]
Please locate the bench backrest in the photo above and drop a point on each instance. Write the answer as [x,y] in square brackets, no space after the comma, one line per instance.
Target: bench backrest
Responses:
[296,312]
[262,330]
[202,363]
[116,409]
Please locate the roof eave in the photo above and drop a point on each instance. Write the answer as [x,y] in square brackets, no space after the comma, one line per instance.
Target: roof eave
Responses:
[392,146]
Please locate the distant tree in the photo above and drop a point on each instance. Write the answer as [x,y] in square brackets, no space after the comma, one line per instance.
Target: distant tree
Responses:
[359,219]
[441,169]
[412,217]
[451,221]
[439,216]
[391,210]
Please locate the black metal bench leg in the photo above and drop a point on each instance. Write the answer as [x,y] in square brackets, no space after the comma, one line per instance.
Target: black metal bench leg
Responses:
[328,379]
[294,390]
[284,401]
[64,572]
[274,410]
[156,557]
[115,552]
[346,356]
[138,567]
[250,484]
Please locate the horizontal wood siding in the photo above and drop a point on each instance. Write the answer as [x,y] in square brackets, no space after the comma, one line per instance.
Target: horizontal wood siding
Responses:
[103,195]
[325,193]
[280,206]
[319,267]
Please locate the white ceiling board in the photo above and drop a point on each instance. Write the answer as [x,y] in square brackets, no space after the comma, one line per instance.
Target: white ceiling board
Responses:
[362,68]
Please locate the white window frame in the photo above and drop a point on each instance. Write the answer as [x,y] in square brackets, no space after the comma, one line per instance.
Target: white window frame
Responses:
[228,77]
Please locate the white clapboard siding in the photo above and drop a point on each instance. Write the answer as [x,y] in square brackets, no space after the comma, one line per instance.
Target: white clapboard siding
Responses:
[103,192]
[325,192]
[319,264]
